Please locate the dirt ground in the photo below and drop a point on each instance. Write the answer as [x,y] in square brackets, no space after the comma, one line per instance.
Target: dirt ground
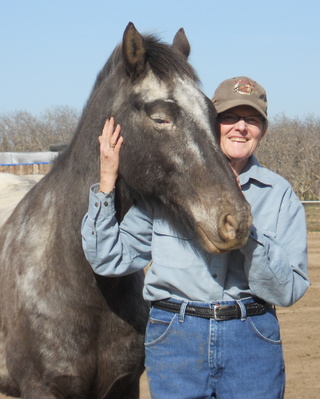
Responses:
[300,326]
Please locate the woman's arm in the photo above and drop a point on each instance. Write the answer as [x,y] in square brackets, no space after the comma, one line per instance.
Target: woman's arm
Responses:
[111,249]
[276,262]
[114,250]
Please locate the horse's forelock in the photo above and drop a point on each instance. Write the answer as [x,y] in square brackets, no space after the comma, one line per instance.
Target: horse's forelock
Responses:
[165,60]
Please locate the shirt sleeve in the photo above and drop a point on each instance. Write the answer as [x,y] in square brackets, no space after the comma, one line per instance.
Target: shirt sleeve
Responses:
[276,263]
[110,248]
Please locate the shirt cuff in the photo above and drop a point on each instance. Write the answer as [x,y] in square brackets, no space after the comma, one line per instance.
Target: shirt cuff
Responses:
[100,203]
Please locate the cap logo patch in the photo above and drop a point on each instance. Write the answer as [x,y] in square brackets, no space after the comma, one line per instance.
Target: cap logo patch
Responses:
[244,87]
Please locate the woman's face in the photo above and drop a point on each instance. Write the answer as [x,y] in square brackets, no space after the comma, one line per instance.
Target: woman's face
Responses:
[240,138]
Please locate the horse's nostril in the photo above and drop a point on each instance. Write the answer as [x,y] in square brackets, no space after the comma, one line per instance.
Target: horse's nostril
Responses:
[230,226]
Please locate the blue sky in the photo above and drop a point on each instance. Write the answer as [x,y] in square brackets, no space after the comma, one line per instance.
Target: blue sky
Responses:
[52,50]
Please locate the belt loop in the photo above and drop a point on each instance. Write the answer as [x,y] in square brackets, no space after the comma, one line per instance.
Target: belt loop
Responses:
[182,311]
[243,309]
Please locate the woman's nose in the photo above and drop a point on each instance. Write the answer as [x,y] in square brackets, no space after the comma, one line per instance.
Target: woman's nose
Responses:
[241,125]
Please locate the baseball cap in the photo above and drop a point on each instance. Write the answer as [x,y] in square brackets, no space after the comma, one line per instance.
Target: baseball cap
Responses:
[240,90]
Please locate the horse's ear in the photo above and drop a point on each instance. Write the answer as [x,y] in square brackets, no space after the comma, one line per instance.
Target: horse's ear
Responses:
[181,43]
[134,52]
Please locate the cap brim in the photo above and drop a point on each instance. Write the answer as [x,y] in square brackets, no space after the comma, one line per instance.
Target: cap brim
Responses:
[236,103]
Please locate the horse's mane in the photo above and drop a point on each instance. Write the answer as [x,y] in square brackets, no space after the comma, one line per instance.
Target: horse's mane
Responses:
[164,60]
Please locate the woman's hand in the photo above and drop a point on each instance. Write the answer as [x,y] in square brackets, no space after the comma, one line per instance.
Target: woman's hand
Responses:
[110,145]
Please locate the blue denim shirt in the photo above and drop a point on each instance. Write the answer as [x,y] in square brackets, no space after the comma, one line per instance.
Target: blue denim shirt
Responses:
[272,265]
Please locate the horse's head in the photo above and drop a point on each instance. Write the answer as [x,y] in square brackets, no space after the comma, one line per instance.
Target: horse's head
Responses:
[170,152]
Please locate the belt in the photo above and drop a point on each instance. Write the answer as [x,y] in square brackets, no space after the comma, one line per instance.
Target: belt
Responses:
[218,312]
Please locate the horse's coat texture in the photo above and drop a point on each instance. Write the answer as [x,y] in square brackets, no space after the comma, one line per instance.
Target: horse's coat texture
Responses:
[65,333]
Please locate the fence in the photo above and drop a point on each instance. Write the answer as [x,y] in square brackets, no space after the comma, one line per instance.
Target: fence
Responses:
[27,163]
[38,168]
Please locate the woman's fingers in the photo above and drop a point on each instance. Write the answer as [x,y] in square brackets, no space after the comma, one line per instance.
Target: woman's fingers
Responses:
[110,145]
[110,138]
[113,140]
[108,128]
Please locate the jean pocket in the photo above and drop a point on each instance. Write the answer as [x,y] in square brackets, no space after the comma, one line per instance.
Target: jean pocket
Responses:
[266,327]
[159,325]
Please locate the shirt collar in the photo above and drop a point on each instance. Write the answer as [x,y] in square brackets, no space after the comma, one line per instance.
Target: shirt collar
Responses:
[253,170]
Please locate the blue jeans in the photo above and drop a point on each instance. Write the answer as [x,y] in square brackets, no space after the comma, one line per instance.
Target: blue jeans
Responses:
[189,357]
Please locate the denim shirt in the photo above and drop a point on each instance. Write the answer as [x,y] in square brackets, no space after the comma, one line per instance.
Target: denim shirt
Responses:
[272,265]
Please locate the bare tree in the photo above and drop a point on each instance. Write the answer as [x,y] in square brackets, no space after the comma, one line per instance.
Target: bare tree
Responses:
[20,131]
[291,148]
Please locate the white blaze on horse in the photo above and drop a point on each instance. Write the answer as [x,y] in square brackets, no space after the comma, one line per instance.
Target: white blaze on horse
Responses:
[66,333]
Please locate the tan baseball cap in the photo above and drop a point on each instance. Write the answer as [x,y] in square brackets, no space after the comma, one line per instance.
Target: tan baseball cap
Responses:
[240,91]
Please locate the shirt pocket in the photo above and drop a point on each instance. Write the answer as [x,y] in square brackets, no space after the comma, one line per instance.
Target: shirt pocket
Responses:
[172,248]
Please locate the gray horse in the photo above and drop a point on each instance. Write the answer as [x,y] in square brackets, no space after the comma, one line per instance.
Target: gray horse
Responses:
[66,333]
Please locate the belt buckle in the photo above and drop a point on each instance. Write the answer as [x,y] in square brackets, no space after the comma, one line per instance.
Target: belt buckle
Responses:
[216,309]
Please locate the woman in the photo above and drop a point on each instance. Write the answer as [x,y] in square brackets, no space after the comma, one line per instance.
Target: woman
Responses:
[212,330]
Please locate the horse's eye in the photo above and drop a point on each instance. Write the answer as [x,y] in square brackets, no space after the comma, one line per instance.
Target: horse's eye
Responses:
[160,120]
[162,114]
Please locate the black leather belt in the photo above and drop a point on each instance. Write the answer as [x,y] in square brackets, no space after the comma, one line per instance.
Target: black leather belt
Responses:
[218,312]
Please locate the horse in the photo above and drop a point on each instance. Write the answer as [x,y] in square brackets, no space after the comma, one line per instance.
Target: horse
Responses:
[65,332]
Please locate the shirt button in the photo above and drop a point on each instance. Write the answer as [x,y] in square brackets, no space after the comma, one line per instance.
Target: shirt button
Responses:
[214,275]
[96,204]
[105,203]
